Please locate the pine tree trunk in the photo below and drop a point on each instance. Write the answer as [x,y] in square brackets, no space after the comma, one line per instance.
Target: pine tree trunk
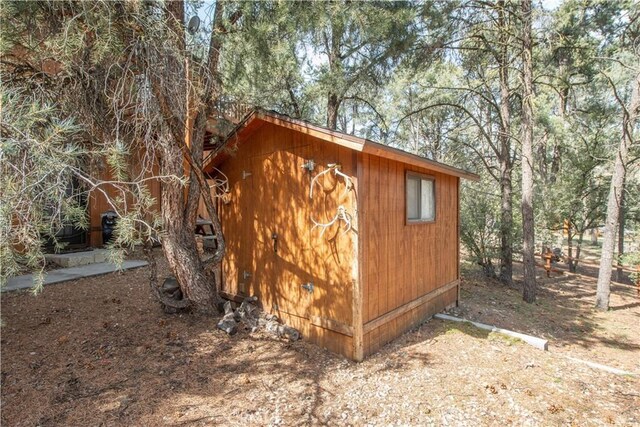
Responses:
[570,249]
[333,105]
[506,187]
[621,227]
[178,241]
[528,256]
[615,195]
[335,66]
[578,251]
[506,224]
[183,145]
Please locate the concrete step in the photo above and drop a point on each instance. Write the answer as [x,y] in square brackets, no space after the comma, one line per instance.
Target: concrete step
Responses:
[76,259]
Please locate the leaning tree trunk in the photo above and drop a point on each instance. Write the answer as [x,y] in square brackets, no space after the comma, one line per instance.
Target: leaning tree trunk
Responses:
[615,194]
[178,240]
[528,257]
[179,205]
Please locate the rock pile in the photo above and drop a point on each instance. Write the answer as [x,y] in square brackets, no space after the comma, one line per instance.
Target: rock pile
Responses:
[249,315]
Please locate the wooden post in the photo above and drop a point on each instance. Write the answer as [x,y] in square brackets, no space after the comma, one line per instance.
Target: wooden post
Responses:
[547,256]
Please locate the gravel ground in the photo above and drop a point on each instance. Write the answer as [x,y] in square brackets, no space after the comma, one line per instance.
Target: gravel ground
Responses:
[99,351]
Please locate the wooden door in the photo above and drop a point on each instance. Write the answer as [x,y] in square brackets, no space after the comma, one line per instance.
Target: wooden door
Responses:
[280,231]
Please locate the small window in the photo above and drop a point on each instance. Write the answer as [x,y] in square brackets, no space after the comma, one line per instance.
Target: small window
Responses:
[421,198]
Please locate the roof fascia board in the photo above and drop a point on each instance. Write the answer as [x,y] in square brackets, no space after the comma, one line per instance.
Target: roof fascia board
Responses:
[352,142]
[392,153]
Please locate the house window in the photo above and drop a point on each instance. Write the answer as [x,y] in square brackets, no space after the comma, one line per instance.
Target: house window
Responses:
[421,198]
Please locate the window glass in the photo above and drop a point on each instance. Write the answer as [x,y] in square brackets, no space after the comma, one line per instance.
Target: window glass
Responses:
[413,197]
[427,205]
[420,198]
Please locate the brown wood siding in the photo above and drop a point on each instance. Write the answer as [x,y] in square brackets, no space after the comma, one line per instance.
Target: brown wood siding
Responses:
[98,204]
[270,195]
[402,262]
[388,331]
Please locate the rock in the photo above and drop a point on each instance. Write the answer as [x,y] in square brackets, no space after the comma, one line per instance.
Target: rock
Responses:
[171,288]
[285,331]
[170,285]
[228,324]
[227,307]
[252,318]
[270,317]
[290,333]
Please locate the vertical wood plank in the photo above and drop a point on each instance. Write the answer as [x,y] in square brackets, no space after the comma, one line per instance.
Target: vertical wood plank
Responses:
[358,293]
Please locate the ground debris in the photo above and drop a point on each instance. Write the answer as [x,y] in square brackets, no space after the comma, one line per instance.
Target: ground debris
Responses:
[250,315]
[180,370]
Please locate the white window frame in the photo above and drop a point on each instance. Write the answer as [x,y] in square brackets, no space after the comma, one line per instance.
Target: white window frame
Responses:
[419,177]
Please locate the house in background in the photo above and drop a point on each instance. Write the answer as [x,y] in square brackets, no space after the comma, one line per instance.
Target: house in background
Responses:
[228,114]
[350,241]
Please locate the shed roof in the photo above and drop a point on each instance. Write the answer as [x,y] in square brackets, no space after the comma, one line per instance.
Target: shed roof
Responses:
[257,118]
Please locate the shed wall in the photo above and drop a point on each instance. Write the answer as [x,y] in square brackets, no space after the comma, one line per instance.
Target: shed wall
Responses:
[409,271]
[270,196]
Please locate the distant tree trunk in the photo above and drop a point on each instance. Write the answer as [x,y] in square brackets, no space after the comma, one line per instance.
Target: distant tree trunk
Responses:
[630,115]
[506,224]
[506,167]
[570,259]
[556,157]
[332,42]
[333,105]
[621,227]
[578,251]
[528,234]
[594,236]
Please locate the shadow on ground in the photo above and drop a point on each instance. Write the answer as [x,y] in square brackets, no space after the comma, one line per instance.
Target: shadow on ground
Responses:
[564,313]
[100,351]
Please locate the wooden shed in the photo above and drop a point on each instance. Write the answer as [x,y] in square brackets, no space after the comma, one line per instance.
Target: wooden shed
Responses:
[350,241]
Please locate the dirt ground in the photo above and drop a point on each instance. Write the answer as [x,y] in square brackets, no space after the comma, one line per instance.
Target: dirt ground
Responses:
[99,351]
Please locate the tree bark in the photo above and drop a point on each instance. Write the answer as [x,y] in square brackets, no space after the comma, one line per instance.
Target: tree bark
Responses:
[335,65]
[528,234]
[333,105]
[506,223]
[179,208]
[178,241]
[506,167]
[629,117]
[621,227]
[570,248]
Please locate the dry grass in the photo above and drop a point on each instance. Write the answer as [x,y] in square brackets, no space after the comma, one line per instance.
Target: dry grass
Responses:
[99,351]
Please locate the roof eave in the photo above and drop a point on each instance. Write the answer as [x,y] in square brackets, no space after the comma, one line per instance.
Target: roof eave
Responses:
[348,141]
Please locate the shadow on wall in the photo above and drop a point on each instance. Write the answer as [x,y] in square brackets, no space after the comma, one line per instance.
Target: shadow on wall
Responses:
[279,249]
